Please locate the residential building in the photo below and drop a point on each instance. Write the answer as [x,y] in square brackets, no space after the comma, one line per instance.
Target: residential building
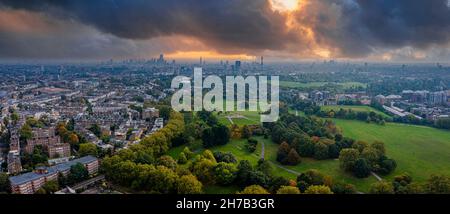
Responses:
[29,183]
[14,164]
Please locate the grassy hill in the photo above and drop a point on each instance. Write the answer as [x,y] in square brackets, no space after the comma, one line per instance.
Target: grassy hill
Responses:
[355,109]
[418,150]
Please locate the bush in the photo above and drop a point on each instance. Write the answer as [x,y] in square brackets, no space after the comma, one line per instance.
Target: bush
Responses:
[226,157]
[288,190]
[320,189]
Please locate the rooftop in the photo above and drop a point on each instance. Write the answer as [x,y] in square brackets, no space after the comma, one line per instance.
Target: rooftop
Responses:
[27,177]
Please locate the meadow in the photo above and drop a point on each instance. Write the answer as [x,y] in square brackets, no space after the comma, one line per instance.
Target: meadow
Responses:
[418,150]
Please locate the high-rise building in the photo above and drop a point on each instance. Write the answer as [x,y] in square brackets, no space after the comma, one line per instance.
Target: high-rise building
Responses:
[14,164]
[161,59]
[437,98]
[237,66]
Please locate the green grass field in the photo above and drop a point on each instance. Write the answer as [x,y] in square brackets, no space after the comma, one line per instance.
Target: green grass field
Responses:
[236,147]
[248,118]
[300,85]
[355,109]
[418,150]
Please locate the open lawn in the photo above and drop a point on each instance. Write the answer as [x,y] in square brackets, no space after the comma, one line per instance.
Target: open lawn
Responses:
[355,109]
[300,85]
[418,150]
[239,118]
[328,167]
[237,148]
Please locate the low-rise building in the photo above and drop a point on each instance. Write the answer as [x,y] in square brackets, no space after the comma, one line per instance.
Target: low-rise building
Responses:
[150,113]
[29,183]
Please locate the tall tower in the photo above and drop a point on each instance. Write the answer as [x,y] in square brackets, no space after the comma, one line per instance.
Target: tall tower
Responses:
[262,63]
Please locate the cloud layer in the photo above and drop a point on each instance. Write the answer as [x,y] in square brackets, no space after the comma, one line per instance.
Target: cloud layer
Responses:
[133,28]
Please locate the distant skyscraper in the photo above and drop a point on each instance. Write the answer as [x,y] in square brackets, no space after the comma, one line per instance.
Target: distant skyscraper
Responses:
[201,61]
[262,60]
[237,65]
[161,59]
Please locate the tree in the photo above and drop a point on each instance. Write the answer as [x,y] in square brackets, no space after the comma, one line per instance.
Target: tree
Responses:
[361,168]
[347,158]
[343,188]
[167,161]
[254,189]
[15,117]
[293,158]
[438,184]
[379,147]
[216,135]
[288,190]
[41,191]
[246,131]
[51,187]
[235,131]
[4,183]
[333,151]
[386,166]
[164,112]
[371,155]
[226,157]
[188,153]
[251,145]
[308,178]
[320,151]
[96,130]
[182,158]
[188,184]
[73,139]
[360,145]
[203,167]
[244,169]
[88,149]
[225,173]
[78,172]
[318,189]
[381,188]
[26,132]
[283,152]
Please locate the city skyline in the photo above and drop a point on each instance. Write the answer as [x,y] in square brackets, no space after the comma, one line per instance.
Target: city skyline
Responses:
[287,30]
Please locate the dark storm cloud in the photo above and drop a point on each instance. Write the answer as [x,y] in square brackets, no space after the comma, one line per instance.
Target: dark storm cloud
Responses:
[348,28]
[357,27]
[240,24]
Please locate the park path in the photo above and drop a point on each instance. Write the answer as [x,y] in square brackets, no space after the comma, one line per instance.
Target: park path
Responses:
[286,169]
[262,151]
[231,120]
[376,176]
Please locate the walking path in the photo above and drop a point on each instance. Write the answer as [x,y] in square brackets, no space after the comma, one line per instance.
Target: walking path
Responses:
[286,169]
[376,176]
[262,151]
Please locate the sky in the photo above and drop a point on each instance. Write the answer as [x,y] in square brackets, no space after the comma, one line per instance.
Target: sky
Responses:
[368,30]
